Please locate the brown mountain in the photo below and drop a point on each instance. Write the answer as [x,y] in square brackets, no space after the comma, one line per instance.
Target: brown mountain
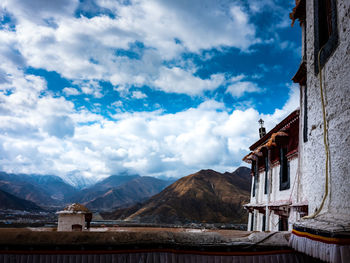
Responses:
[206,196]
[9,201]
[100,188]
[136,190]
[45,190]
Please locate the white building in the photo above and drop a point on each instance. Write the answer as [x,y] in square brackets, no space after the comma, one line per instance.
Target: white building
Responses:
[324,79]
[274,203]
[73,218]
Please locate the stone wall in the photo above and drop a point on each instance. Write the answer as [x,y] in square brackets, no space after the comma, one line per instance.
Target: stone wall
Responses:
[336,81]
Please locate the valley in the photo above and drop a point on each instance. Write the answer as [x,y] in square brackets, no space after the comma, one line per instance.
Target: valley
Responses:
[203,199]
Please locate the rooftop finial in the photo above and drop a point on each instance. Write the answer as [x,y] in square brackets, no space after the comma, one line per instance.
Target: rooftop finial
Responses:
[262,130]
[261,122]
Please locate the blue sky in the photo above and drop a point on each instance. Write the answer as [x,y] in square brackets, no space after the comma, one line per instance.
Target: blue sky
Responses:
[161,88]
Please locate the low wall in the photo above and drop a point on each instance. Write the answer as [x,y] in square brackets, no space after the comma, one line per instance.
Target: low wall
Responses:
[145,245]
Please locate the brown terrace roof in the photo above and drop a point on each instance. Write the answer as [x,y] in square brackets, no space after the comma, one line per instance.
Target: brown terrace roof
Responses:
[75,208]
[276,129]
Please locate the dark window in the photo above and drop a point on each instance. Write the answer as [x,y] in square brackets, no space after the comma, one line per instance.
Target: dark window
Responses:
[263,227]
[326,32]
[283,224]
[255,169]
[305,114]
[77,227]
[266,174]
[256,173]
[284,170]
[252,222]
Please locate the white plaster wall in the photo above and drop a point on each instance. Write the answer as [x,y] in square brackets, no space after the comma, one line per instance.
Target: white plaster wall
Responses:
[255,213]
[273,222]
[252,198]
[294,216]
[276,194]
[301,194]
[336,78]
[65,221]
[259,221]
[249,221]
[261,184]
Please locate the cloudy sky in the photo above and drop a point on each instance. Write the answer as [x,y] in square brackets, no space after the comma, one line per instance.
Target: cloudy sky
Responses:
[156,87]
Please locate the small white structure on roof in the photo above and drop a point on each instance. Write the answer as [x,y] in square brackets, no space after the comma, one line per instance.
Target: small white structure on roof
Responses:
[73,218]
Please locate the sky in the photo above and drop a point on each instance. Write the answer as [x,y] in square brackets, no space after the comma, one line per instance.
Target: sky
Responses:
[93,88]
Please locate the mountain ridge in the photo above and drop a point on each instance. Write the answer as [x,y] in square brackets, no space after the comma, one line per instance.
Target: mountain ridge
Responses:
[9,201]
[206,197]
[135,190]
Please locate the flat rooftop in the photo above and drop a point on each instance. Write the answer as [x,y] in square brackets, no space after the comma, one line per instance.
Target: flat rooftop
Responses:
[140,237]
[146,244]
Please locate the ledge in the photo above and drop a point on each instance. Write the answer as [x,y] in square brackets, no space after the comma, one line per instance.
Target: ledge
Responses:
[135,239]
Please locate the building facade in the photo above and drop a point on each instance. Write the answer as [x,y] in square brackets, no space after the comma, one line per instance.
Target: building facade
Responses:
[275,203]
[325,65]
[324,79]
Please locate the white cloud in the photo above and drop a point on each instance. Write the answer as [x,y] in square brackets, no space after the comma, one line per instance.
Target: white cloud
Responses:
[45,134]
[177,80]
[237,89]
[39,10]
[117,104]
[71,91]
[237,86]
[280,16]
[59,126]
[90,87]
[138,95]
[48,36]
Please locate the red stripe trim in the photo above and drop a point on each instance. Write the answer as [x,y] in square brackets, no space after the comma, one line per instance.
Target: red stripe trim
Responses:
[327,240]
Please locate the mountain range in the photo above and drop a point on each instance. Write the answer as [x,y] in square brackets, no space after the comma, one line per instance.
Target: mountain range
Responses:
[135,190]
[204,197]
[52,192]
[100,188]
[44,190]
[9,201]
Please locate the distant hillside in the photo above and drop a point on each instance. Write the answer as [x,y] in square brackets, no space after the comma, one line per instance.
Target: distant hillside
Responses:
[101,188]
[9,201]
[206,196]
[130,192]
[53,191]
[40,189]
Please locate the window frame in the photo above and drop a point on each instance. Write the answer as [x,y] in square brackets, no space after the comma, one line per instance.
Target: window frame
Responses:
[252,221]
[284,169]
[283,223]
[255,170]
[332,41]
[263,226]
[305,115]
[266,174]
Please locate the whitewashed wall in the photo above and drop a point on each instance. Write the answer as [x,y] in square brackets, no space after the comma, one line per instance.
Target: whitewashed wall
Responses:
[336,79]
[276,195]
[273,223]
[285,194]
[65,221]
